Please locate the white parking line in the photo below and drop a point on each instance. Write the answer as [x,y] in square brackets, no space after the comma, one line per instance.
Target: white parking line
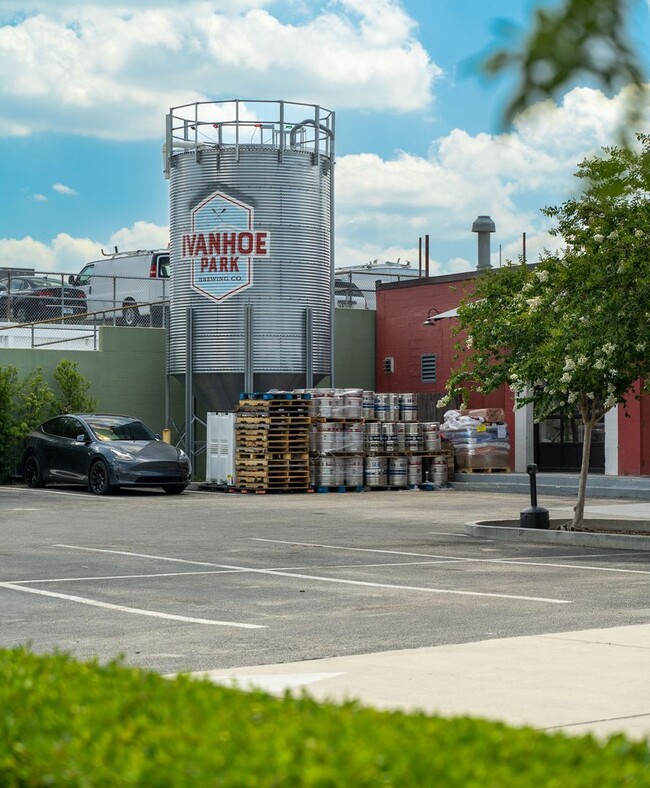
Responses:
[319,578]
[122,577]
[26,509]
[360,549]
[81,579]
[88,496]
[144,555]
[523,561]
[124,609]
[360,566]
[514,562]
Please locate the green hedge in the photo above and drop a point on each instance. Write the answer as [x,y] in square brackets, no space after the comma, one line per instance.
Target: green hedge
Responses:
[66,723]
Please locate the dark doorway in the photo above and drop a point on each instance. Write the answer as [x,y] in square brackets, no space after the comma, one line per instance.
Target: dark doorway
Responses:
[558,444]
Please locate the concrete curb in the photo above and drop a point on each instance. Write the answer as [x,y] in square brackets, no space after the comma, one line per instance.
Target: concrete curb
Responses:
[509,531]
[556,484]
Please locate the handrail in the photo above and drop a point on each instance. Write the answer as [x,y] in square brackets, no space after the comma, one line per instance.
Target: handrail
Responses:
[92,332]
[70,319]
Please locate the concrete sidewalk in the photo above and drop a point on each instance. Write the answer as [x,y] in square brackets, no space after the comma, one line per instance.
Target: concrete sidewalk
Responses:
[595,681]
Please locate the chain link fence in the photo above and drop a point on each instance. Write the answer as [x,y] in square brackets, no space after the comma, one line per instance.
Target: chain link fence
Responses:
[62,298]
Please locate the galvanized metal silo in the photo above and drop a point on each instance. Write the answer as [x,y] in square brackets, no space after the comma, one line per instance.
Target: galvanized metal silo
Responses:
[251,230]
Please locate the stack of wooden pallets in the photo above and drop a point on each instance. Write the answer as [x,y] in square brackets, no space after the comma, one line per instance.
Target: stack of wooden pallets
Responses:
[272,439]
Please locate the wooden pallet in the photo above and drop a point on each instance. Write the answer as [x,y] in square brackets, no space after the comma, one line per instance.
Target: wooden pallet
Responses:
[279,420]
[272,456]
[272,446]
[264,489]
[270,480]
[272,405]
[271,474]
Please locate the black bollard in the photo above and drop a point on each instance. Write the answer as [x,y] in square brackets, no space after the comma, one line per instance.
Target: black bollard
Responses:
[534,516]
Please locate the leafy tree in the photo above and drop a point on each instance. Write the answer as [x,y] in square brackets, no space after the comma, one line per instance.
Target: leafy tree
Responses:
[566,42]
[25,403]
[8,432]
[572,331]
[73,388]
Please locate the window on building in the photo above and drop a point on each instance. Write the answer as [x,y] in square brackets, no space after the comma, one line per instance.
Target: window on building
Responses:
[428,367]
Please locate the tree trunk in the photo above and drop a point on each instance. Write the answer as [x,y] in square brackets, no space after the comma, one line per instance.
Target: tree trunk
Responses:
[579,510]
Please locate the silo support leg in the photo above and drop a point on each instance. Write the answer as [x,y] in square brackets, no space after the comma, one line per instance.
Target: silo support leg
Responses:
[249,367]
[309,343]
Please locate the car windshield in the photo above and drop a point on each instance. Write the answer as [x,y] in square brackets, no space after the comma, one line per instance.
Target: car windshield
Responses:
[114,429]
[37,283]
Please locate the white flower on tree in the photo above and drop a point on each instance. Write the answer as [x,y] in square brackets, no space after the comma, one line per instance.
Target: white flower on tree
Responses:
[578,326]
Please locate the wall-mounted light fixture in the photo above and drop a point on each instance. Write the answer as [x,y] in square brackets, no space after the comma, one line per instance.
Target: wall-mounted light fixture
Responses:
[433,315]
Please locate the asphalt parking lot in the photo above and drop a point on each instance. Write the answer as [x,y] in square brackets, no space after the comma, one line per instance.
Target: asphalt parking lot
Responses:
[206,581]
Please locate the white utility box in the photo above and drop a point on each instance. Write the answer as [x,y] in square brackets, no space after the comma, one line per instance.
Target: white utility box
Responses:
[220,449]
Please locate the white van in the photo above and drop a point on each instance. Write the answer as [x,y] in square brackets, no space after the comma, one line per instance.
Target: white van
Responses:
[123,285]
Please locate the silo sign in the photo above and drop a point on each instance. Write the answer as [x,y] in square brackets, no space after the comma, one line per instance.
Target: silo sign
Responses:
[221,246]
[251,231]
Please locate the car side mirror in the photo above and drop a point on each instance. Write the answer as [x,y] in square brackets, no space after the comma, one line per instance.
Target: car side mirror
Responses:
[82,439]
[72,280]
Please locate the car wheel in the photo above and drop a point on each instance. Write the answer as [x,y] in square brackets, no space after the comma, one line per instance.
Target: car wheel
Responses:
[32,472]
[174,489]
[99,480]
[20,314]
[130,313]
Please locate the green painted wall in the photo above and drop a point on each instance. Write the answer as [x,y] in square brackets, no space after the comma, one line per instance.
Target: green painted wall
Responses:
[127,373]
[354,348]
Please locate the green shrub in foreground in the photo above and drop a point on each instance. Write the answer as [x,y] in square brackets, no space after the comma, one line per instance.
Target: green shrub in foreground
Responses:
[82,724]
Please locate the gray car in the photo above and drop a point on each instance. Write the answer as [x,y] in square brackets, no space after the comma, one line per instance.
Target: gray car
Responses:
[103,452]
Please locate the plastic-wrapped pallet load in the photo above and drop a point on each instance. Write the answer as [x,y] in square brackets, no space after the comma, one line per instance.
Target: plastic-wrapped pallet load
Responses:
[477,445]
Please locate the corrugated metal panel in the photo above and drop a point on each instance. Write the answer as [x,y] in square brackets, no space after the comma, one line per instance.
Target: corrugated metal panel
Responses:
[291,200]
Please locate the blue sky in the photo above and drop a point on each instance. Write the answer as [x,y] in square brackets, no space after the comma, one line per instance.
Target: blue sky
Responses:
[85,87]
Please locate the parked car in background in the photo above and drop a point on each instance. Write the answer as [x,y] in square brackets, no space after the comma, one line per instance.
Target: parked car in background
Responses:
[348,295]
[127,282]
[27,299]
[103,452]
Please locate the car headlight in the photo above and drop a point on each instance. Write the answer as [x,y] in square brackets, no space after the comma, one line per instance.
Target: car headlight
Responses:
[121,454]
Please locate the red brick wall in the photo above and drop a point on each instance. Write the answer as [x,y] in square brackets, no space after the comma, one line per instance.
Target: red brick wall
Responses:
[634,436]
[401,333]
[401,312]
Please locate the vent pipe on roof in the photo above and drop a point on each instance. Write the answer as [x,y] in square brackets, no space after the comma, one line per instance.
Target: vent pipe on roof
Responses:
[483,226]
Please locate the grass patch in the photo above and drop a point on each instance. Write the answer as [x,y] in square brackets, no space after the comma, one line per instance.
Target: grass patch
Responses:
[68,723]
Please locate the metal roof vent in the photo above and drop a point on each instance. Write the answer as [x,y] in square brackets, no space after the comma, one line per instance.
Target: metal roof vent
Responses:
[483,225]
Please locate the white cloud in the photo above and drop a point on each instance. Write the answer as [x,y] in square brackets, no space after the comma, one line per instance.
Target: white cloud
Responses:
[61,188]
[113,72]
[40,198]
[25,253]
[508,176]
[65,254]
[143,235]
[459,265]
[384,205]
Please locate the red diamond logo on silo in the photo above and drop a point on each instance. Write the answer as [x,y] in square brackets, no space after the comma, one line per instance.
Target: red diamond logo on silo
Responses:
[222,245]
